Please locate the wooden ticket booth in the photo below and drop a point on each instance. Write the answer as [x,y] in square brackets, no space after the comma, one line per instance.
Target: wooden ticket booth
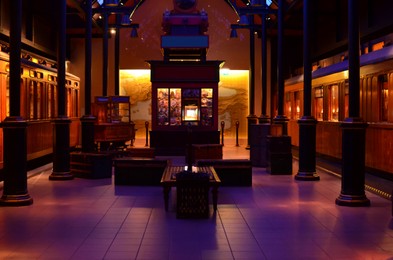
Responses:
[184,84]
[184,105]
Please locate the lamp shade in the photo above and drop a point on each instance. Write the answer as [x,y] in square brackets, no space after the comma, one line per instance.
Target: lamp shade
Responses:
[233,34]
[125,19]
[134,33]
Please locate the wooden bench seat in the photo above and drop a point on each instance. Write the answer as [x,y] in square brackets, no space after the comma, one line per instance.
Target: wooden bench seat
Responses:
[232,172]
[139,171]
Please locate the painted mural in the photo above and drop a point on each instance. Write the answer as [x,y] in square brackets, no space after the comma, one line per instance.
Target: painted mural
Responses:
[232,100]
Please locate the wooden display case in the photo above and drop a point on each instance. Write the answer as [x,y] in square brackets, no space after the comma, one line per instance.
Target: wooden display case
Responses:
[113,127]
[184,105]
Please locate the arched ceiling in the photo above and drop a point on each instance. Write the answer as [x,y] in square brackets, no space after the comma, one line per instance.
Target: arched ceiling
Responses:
[76,14]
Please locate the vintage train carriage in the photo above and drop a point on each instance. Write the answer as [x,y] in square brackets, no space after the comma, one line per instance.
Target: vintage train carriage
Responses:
[330,106]
[39,105]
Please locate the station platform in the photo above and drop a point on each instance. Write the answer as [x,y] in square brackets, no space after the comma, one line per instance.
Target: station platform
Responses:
[277,218]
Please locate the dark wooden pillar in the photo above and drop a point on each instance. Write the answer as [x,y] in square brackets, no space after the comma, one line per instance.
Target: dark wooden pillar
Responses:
[280,118]
[117,56]
[61,125]
[87,120]
[264,118]
[307,124]
[14,127]
[251,118]
[105,53]
[353,127]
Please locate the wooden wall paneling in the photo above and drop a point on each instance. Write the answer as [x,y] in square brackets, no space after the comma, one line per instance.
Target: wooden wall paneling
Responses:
[363,98]
[39,139]
[75,132]
[293,131]
[379,147]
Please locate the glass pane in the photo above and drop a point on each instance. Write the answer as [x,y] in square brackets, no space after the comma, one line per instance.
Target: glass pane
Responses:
[318,104]
[162,106]
[297,104]
[175,109]
[383,81]
[333,103]
[31,99]
[38,100]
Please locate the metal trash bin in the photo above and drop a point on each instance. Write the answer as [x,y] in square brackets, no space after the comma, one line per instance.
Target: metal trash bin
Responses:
[192,190]
[279,155]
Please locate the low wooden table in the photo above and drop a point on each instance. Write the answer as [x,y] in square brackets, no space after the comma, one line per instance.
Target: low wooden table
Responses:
[168,181]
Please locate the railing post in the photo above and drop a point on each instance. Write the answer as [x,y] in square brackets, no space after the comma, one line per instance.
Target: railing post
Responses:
[237,133]
[147,133]
[222,132]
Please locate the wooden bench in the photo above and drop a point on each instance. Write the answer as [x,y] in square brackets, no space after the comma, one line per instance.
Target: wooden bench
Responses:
[91,165]
[232,172]
[139,171]
[205,151]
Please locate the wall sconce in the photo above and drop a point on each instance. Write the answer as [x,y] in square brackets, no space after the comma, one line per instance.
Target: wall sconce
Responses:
[233,33]
[111,2]
[125,20]
[134,33]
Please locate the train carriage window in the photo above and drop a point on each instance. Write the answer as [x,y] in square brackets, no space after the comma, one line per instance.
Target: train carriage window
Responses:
[318,103]
[31,94]
[384,96]
[333,105]
[297,104]
[51,104]
[38,103]
[288,105]
[76,103]
[7,100]
[69,102]
[35,100]
[346,100]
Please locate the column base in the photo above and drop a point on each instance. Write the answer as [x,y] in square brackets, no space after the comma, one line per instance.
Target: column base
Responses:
[251,119]
[264,119]
[307,176]
[352,200]
[16,200]
[61,176]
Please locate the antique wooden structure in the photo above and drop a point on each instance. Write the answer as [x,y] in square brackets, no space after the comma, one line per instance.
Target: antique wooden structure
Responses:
[184,84]
[330,107]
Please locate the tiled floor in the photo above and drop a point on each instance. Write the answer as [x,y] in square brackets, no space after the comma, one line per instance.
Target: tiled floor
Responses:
[277,218]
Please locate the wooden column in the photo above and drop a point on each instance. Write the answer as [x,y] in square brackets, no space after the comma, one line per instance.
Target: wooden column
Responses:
[353,127]
[264,118]
[117,56]
[307,124]
[61,124]
[105,53]
[251,118]
[14,127]
[87,121]
[280,118]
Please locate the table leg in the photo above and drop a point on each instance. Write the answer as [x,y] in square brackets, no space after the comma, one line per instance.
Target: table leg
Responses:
[215,197]
[167,189]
